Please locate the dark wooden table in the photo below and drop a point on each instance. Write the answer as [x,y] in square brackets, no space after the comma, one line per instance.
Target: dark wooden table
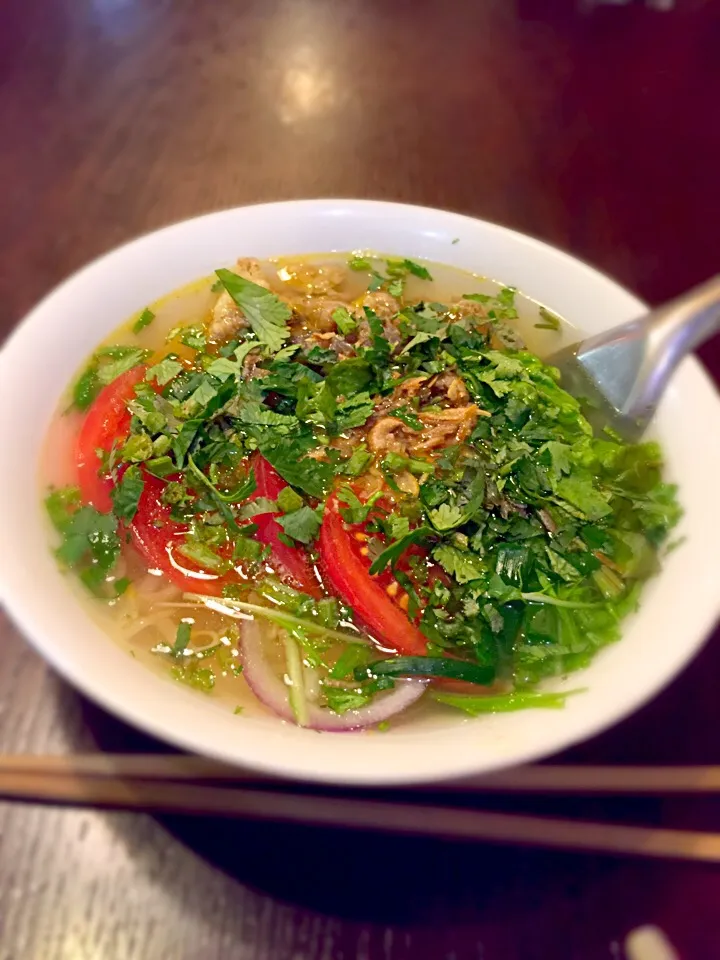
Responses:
[598,132]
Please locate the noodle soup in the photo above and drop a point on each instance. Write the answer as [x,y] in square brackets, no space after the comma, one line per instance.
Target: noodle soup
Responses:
[344,487]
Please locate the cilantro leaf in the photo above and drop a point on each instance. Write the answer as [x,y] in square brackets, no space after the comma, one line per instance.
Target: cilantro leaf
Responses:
[344,321]
[126,494]
[223,368]
[144,320]
[359,263]
[288,457]
[395,550]
[265,311]
[61,505]
[357,464]
[349,377]
[446,517]
[203,555]
[400,268]
[341,699]
[164,371]
[90,545]
[353,412]
[288,500]
[462,565]
[107,372]
[302,525]
[583,495]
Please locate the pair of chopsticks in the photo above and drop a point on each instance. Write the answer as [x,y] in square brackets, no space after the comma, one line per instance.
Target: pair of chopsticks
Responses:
[193,785]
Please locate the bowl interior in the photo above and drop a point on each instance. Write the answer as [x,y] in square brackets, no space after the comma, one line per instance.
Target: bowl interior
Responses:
[678,607]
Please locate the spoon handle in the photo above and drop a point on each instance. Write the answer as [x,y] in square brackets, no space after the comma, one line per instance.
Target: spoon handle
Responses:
[670,333]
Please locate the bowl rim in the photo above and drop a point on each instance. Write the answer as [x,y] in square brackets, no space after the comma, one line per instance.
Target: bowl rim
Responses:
[186,739]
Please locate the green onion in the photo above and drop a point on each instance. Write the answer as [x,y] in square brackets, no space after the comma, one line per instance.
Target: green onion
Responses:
[504,702]
[427,667]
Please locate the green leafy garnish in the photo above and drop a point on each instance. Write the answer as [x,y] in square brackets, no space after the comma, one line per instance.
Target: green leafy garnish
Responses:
[267,314]
[549,320]
[503,702]
[126,494]
[144,320]
[302,525]
[182,639]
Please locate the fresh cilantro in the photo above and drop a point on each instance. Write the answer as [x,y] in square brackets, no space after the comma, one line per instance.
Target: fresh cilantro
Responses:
[344,322]
[288,500]
[359,263]
[357,463]
[203,555]
[192,336]
[396,462]
[320,356]
[126,494]
[353,412]
[137,448]
[341,699]
[223,368]
[258,506]
[349,377]
[144,320]
[86,388]
[446,517]
[408,417]
[248,549]
[265,311]
[401,268]
[160,466]
[120,585]
[287,456]
[582,494]
[462,565]
[90,545]
[355,510]
[302,525]
[107,372]
[353,656]
[61,505]
[395,550]
[164,371]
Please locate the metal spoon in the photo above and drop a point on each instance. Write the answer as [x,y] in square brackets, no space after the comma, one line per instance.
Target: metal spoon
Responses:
[620,375]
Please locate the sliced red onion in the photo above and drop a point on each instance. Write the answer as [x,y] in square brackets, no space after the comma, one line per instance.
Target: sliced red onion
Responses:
[271,691]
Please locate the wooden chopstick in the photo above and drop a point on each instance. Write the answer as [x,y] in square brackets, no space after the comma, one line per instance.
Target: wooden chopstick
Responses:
[547,778]
[359,814]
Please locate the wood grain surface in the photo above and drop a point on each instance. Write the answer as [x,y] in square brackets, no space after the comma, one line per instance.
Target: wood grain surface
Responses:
[597,131]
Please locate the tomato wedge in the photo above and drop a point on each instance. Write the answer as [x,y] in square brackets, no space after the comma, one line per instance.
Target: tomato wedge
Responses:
[156,537]
[107,421]
[348,573]
[291,563]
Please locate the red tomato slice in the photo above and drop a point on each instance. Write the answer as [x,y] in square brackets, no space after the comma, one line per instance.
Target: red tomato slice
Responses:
[347,571]
[156,537]
[291,563]
[107,421]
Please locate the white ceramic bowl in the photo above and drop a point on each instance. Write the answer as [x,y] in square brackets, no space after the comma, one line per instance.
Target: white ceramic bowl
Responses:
[678,609]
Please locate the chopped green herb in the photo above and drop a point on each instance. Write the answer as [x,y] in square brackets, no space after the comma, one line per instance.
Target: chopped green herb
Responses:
[144,320]
[126,494]
[265,311]
[549,320]
[182,639]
